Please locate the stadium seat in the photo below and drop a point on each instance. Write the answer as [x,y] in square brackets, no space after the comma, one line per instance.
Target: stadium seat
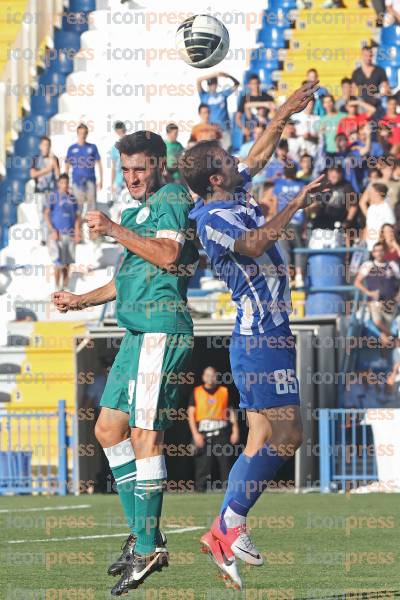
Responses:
[8,213]
[61,62]
[282,4]
[390,36]
[82,5]
[75,22]
[388,57]
[264,58]
[393,76]
[19,167]
[15,191]
[26,145]
[35,125]
[272,38]
[66,40]
[44,105]
[52,78]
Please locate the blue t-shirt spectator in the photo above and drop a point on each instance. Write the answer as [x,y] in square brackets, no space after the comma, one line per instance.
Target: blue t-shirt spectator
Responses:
[217,103]
[285,190]
[274,169]
[63,211]
[82,158]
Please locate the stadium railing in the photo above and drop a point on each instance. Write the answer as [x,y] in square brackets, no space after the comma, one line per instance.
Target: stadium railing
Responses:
[25,54]
[346,456]
[37,452]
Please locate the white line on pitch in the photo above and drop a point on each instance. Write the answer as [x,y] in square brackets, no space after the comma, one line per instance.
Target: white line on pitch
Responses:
[47,508]
[96,537]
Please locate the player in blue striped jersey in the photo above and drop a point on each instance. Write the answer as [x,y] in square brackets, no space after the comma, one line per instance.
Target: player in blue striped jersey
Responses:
[243,249]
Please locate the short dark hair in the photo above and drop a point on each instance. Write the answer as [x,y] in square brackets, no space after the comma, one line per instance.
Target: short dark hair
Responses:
[337,168]
[312,70]
[203,105]
[351,99]
[63,176]
[390,98]
[381,188]
[148,142]
[82,126]
[197,164]
[119,125]
[290,171]
[328,96]
[253,76]
[171,127]
[45,138]
[377,244]
[283,145]
[212,81]
[346,80]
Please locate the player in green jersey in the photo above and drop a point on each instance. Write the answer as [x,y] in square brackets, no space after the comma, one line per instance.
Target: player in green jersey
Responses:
[140,399]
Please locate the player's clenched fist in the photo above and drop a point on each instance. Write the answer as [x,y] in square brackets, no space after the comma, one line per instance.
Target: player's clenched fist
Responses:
[65,301]
[99,223]
[309,193]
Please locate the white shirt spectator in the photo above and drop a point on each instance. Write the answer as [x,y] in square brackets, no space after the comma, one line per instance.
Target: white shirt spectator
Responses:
[307,124]
[378,215]
[367,266]
[395,4]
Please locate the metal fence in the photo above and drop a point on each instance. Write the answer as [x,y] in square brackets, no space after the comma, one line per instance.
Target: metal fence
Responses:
[36,451]
[347,451]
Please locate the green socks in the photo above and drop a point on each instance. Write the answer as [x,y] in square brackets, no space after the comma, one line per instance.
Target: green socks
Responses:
[150,480]
[121,459]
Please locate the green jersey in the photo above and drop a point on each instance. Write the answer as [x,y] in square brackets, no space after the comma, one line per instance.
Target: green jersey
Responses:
[149,298]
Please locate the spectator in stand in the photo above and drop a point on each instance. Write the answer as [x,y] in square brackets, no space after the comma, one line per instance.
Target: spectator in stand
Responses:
[391,246]
[274,169]
[249,103]
[174,150]
[296,144]
[306,167]
[392,120]
[312,76]
[64,225]
[379,280]
[307,128]
[338,158]
[377,212]
[385,166]
[283,191]
[45,171]
[355,119]
[205,130]
[360,149]
[82,158]
[328,124]
[341,102]
[392,12]
[217,101]
[213,425]
[117,178]
[367,78]
[339,205]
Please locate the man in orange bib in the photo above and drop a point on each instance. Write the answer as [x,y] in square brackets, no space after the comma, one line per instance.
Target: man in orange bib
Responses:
[214,428]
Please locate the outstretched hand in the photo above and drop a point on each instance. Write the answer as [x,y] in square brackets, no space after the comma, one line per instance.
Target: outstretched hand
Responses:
[309,193]
[300,98]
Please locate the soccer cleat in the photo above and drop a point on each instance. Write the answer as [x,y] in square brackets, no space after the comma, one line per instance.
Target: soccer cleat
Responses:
[128,548]
[139,569]
[224,559]
[238,540]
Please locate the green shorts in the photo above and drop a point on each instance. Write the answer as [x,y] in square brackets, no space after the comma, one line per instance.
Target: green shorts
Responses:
[145,376]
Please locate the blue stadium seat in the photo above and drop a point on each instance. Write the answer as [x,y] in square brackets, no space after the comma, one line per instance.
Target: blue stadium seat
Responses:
[67,39]
[18,167]
[265,76]
[53,78]
[26,145]
[390,36]
[44,105]
[35,125]
[272,38]
[15,191]
[393,76]
[60,62]
[388,56]
[8,213]
[282,4]
[264,58]
[76,22]
[82,5]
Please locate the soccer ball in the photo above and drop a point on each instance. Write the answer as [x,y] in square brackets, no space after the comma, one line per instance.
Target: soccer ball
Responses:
[202,41]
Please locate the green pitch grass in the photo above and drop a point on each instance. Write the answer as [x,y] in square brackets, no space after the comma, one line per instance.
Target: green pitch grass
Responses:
[316,547]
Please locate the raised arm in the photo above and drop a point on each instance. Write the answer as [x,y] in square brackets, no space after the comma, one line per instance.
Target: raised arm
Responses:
[265,146]
[256,241]
[65,301]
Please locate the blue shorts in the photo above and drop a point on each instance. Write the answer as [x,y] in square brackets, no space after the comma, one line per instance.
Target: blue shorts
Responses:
[264,369]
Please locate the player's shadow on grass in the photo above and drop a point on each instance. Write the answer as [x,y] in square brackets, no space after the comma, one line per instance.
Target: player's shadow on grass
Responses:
[353,595]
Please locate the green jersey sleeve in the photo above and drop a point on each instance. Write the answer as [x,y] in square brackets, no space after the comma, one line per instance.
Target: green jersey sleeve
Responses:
[173,215]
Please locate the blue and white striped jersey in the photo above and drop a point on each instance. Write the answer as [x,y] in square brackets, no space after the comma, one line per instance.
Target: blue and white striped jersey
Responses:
[259,286]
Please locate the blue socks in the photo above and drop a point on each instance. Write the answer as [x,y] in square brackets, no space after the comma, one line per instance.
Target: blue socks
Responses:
[248,478]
